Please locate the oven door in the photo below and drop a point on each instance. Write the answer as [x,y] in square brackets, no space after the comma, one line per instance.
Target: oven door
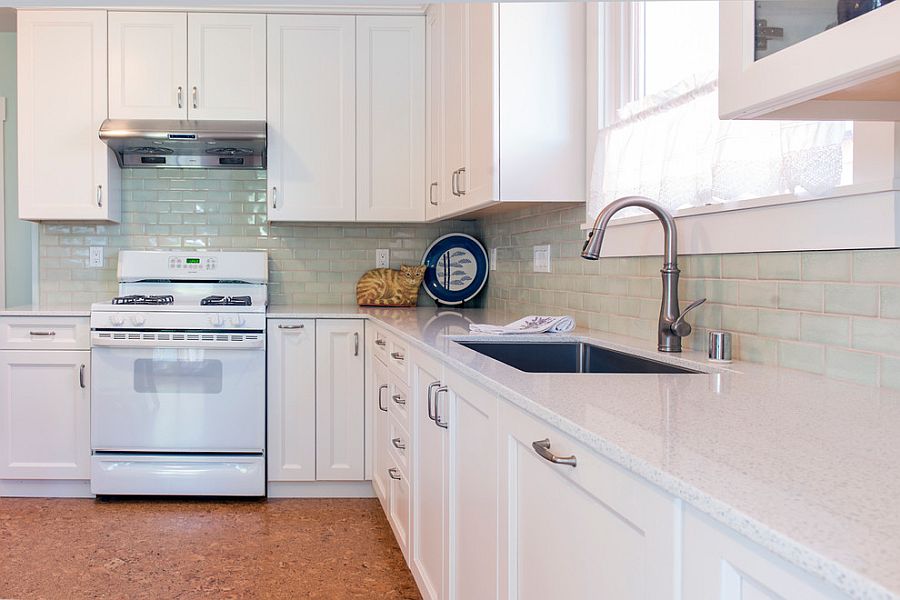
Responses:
[188,400]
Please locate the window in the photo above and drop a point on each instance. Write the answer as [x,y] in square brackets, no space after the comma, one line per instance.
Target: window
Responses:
[659,133]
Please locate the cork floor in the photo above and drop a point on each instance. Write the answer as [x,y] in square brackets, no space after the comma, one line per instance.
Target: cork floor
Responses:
[315,548]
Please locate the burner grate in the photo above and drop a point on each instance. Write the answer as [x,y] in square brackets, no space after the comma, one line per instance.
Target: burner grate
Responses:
[226,301]
[142,299]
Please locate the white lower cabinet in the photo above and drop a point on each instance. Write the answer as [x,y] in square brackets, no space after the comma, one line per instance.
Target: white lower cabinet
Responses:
[45,414]
[291,399]
[430,489]
[583,530]
[719,564]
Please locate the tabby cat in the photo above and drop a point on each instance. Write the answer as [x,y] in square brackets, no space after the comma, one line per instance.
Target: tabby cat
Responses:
[389,287]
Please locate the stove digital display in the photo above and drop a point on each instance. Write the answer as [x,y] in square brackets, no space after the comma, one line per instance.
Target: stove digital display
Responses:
[192,261]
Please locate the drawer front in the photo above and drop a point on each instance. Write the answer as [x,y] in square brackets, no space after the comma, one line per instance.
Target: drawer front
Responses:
[399,514]
[399,359]
[381,345]
[399,446]
[45,333]
[399,400]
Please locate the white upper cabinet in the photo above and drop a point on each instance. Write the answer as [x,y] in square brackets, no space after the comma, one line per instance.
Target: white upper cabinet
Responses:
[312,127]
[513,104]
[809,60]
[173,65]
[390,118]
[147,65]
[226,66]
[65,171]
[434,110]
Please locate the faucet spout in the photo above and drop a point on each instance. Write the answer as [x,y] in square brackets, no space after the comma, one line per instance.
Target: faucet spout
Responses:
[672,326]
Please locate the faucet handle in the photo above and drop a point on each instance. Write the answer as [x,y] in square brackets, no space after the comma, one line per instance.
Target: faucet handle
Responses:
[680,327]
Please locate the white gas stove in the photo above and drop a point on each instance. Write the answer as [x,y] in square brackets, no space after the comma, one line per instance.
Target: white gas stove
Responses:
[178,394]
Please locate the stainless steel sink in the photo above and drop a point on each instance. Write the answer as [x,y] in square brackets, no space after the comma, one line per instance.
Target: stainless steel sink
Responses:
[568,357]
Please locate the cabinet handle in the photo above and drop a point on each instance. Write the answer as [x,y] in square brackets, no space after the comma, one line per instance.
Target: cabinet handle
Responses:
[454,182]
[380,342]
[274,197]
[542,447]
[81,377]
[180,97]
[381,388]
[398,444]
[290,326]
[431,193]
[430,394]
[397,355]
[356,344]
[394,473]
[459,189]
[437,415]
[100,196]
[398,399]
[42,333]
[194,100]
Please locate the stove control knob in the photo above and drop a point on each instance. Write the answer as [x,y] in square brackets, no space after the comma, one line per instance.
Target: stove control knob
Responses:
[138,319]
[116,320]
[216,320]
[237,321]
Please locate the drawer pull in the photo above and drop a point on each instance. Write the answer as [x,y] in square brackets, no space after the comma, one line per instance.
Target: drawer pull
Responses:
[394,473]
[399,445]
[290,326]
[398,399]
[42,333]
[542,447]
[81,377]
[380,342]
[381,388]
[397,355]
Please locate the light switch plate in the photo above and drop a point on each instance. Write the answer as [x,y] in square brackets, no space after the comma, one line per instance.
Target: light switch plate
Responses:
[542,259]
[96,260]
[493,259]
[382,258]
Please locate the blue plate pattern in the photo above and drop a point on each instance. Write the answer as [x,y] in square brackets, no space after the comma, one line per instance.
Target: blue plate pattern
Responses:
[456,268]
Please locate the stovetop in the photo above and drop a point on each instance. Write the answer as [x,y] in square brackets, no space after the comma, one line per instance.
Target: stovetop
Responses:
[144,300]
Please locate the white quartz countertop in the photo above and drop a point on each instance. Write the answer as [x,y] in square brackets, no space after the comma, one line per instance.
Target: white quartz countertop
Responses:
[805,466]
[45,310]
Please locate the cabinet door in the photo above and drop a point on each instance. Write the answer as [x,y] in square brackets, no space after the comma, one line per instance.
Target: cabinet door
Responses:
[340,400]
[390,118]
[312,127]
[455,95]
[226,66]
[291,399]
[382,459]
[434,110]
[429,479]
[474,491]
[45,414]
[721,565]
[589,531]
[481,123]
[65,171]
[147,65]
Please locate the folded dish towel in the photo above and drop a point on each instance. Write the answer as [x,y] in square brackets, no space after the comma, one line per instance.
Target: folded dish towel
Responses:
[530,324]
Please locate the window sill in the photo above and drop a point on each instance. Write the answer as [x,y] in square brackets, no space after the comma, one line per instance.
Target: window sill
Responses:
[850,217]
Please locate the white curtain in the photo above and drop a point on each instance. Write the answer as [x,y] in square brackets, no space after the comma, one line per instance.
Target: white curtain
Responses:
[673,148]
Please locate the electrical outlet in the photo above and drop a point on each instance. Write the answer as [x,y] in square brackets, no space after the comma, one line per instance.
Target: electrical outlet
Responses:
[382,258]
[493,259]
[96,260]
[542,259]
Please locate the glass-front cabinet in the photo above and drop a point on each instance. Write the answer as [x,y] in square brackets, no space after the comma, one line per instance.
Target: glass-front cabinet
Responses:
[809,59]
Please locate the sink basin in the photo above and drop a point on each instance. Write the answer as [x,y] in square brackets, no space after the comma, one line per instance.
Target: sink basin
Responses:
[568,357]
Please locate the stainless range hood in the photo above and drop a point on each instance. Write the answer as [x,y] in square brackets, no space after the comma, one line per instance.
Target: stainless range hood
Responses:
[185,144]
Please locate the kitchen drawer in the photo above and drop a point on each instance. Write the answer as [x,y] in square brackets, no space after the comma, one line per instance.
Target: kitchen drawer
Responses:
[399,512]
[399,359]
[398,401]
[45,333]
[380,346]
[399,446]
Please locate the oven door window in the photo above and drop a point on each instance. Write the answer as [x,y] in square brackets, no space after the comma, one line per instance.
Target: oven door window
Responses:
[171,373]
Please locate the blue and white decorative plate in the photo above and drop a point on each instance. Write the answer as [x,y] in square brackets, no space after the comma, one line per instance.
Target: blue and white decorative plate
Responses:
[456,268]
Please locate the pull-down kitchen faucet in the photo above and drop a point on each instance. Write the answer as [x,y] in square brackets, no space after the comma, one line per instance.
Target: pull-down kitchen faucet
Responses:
[672,326]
